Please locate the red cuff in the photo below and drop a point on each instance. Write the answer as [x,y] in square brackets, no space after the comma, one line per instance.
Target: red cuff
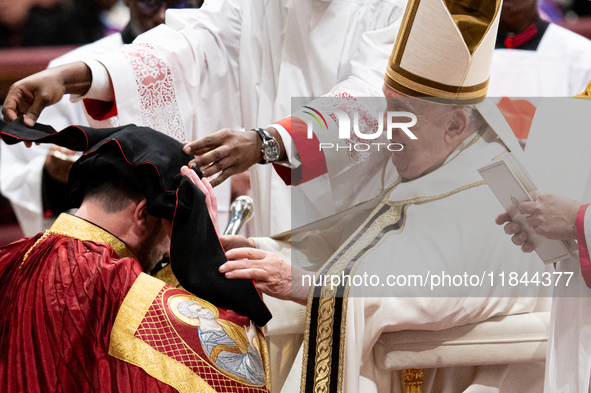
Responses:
[100,110]
[583,250]
[313,163]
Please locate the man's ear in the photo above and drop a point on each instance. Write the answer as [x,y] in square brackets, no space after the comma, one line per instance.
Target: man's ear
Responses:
[140,215]
[457,126]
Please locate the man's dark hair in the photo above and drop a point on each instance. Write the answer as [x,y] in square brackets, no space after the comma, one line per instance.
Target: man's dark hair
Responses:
[113,192]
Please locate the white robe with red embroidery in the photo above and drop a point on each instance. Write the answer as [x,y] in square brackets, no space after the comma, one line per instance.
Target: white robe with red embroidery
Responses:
[237,64]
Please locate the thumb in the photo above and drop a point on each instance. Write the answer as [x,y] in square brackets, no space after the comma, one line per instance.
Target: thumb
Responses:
[41,101]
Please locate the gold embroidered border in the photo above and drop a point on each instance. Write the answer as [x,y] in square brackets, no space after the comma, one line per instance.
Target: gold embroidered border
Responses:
[78,228]
[125,346]
[165,274]
[234,331]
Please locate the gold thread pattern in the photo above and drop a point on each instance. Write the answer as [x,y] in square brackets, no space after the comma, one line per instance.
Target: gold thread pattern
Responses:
[165,274]
[413,379]
[78,228]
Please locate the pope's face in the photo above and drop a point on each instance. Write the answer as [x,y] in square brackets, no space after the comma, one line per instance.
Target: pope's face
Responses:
[430,149]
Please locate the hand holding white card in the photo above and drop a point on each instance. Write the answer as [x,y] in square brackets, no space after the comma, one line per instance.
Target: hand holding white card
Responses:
[511,184]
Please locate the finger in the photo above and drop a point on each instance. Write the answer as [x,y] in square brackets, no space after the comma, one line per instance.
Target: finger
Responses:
[519,238]
[9,112]
[220,178]
[34,111]
[223,165]
[532,221]
[208,143]
[527,207]
[217,158]
[232,265]
[512,228]
[185,171]
[245,253]
[214,201]
[503,218]
[249,274]
[241,264]
[28,143]
[527,247]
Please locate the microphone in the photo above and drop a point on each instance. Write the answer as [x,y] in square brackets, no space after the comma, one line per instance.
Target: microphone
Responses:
[240,212]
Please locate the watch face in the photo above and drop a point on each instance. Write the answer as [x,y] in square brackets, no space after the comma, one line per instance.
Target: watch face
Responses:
[271,150]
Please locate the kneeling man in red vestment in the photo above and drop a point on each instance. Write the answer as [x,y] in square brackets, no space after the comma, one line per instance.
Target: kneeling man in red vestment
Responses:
[78,311]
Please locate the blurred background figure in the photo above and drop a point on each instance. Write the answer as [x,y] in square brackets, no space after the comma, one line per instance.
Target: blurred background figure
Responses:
[34,179]
[52,22]
[535,58]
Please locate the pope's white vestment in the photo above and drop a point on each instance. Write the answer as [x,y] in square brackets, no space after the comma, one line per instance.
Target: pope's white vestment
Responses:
[448,227]
[237,64]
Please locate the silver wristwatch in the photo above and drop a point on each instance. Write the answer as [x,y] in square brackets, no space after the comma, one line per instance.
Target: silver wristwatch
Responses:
[270,151]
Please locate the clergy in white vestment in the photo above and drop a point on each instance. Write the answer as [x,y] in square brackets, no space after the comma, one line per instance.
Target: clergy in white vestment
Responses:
[35,195]
[23,178]
[420,209]
[535,58]
[234,64]
[237,64]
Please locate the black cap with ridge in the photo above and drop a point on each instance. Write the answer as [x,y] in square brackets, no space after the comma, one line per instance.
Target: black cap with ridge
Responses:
[151,161]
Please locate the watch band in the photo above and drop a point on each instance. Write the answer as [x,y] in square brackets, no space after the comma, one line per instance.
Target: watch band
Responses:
[265,136]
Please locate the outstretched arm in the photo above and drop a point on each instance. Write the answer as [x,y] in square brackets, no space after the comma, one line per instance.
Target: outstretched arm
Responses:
[31,95]
[229,152]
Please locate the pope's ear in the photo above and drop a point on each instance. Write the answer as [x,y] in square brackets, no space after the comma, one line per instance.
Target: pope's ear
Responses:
[457,126]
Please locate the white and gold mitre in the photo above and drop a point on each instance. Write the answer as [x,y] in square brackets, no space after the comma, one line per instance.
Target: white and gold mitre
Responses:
[444,48]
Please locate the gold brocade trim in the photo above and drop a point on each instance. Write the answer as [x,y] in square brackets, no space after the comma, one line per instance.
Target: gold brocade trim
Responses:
[78,228]
[125,346]
[421,200]
[326,312]
[585,94]
[165,274]
[45,234]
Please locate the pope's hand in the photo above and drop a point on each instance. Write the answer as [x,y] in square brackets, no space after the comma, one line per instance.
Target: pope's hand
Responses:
[227,152]
[230,242]
[205,187]
[271,274]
